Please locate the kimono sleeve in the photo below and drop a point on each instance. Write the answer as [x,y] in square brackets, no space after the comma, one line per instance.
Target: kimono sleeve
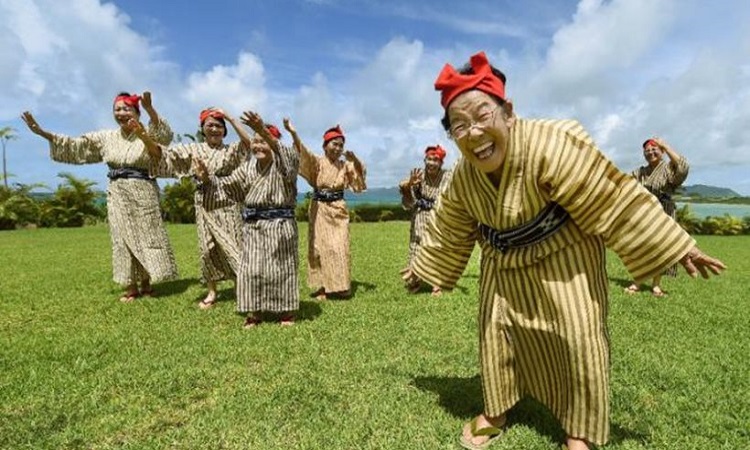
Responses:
[233,186]
[356,179]
[308,165]
[160,131]
[86,149]
[605,202]
[448,240]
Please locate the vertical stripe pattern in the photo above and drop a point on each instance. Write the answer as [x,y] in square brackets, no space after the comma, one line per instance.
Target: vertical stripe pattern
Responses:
[217,217]
[140,245]
[268,274]
[328,257]
[543,308]
[663,181]
[428,188]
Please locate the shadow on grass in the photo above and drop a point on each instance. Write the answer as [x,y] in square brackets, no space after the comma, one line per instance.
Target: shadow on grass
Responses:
[461,397]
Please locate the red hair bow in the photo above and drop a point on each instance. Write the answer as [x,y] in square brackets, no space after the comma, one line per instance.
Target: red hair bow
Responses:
[435,150]
[450,83]
[333,133]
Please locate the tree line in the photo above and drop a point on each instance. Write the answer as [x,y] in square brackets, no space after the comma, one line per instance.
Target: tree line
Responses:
[75,203]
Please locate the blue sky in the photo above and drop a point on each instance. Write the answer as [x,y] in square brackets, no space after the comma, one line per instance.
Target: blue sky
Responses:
[627,69]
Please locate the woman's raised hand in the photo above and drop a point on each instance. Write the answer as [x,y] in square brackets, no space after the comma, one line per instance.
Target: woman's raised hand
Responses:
[252,119]
[288,126]
[199,169]
[32,124]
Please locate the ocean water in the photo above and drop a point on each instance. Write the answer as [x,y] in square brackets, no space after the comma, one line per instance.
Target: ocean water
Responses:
[391,196]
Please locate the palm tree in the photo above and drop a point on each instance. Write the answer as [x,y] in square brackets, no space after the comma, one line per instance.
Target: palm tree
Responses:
[6,134]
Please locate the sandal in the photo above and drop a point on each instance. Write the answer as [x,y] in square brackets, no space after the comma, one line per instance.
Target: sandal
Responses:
[657,292]
[491,431]
[251,321]
[632,289]
[287,320]
[129,297]
[203,304]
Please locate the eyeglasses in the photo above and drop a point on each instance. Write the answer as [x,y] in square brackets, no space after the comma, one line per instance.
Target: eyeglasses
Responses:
[460,129]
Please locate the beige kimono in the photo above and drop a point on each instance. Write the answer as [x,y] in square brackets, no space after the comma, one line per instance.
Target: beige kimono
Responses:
[543,308]
[140,245]
[217,219]
[328,259]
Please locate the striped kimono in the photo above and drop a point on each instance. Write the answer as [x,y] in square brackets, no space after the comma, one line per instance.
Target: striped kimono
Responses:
[217,218]
[267,279]
[543,308]
[429,189]
[662,181]
[140,245]
[328,258]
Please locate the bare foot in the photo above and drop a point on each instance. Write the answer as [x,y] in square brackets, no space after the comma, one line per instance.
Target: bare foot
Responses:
[287,320]
[251,321]
[657,292]
[130,296]
[436,291]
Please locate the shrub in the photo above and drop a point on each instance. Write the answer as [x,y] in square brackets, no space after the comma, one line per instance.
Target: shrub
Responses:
[178,202]
[73,204]
[17,206]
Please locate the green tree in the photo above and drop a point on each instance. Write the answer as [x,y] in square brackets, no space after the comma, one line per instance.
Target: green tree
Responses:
[6,134]
[17,206]
[73,204]
[178,202]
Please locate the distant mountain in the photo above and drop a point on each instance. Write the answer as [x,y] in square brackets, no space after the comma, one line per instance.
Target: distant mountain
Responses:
[702,190]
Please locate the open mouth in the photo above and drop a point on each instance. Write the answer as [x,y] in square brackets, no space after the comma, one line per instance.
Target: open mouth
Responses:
[485,151]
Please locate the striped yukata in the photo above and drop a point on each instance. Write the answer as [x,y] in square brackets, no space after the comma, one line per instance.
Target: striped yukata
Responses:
[543,308]
[268,272]
[328,257]
[662,181]
[217,218]
[429,189]
[140,245]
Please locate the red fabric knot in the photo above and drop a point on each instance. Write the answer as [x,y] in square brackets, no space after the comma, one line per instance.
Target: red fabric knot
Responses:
[333,133]
[450,83]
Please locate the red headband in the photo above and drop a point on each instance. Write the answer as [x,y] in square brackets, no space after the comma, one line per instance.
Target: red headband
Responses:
[210,112]
[130,100]
[651,142]
[451,83]
[274,131]
[333,133]
[435,150]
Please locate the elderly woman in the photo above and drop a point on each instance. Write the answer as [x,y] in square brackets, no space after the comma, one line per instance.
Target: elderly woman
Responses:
[328,259]
[418,195]
[140,247]
[267,279]
[661,179]
[217,219]
[542,202]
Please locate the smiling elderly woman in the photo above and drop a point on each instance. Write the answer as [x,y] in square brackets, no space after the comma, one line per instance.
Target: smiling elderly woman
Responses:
[542,201]
[661,179]
[217,218]
[140,247]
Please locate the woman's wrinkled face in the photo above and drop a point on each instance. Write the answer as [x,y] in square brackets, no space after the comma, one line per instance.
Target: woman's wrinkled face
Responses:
[213,130]
[123,113]
[260,148]
[334,148]
[481,128]
[432,164]
[652,153]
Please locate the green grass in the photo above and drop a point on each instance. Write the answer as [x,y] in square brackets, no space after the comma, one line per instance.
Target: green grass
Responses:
[382,371]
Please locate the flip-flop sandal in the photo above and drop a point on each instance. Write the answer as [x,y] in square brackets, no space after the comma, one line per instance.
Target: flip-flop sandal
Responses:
[491,431]
[203,304]
[287,320]
[129,297]
[251,322]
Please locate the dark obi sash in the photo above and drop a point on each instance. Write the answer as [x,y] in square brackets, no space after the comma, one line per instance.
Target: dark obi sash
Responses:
[127,172]
[549,221]
[424,204]
[327,196]
[249,214]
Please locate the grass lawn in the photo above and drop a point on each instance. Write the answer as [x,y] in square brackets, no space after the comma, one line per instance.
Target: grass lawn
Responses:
[385,370]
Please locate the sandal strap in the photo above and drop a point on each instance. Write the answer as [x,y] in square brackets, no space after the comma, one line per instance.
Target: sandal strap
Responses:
[488,430]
